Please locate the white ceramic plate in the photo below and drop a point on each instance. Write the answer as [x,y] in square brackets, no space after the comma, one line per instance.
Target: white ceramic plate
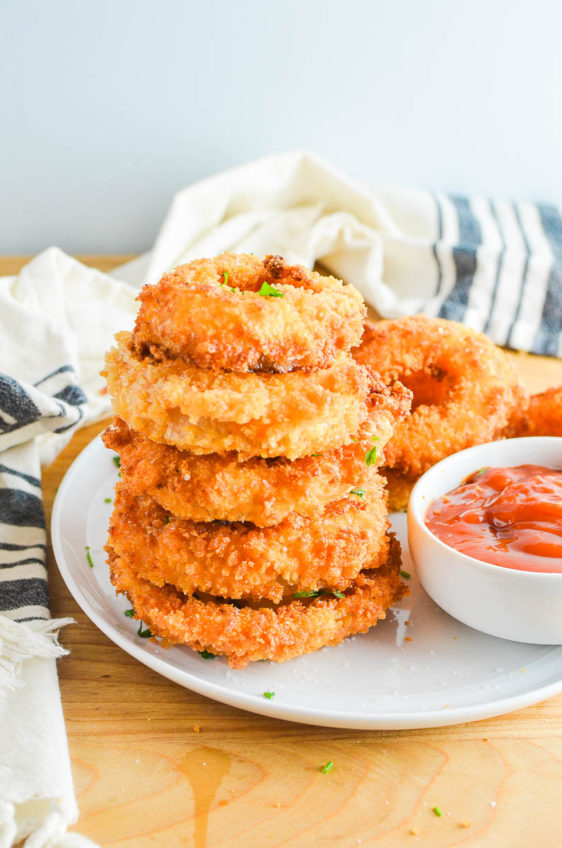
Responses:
[433,671]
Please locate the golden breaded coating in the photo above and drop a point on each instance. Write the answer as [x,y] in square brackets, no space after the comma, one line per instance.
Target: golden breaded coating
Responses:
[262,491]
[465,389]
[211,313]
[245,633]
[542,418]
[265,415]
[238,560]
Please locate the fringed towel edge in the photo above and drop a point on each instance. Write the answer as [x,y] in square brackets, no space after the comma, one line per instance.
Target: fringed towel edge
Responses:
[20,641]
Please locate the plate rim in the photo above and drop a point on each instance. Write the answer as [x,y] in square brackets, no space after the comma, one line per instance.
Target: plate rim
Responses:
[394,720]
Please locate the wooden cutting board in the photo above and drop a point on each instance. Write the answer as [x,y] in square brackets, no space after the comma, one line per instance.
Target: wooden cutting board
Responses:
[157,766]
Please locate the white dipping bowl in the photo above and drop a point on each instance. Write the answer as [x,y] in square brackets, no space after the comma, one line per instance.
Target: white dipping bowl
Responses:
[524,606]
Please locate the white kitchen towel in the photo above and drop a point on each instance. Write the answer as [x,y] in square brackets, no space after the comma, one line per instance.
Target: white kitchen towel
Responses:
[492,264]
[57,319]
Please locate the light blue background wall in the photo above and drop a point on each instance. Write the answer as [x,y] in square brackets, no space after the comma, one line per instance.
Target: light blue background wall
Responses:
[110,106]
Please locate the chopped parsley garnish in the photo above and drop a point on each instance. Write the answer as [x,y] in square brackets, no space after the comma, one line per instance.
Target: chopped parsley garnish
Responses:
[207,655]
[107,500]
[327,767]
[144,634]
[129,613]
[269,695]
[405,574]
[481,472]
[167,519]
[270,291]
[89,557]
[315,454]
[437,811]
[371,455]
[317,593]
[117,461]
[359,492]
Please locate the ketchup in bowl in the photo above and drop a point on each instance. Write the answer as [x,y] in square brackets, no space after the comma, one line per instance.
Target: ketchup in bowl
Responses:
[505,516]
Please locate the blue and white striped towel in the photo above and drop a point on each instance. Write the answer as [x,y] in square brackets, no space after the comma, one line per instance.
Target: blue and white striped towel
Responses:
[57,318]
[505,277]
[492,264]
[54,404]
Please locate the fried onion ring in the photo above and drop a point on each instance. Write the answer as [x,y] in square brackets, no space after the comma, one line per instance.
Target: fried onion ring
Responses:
[238,560]
[542,418]
[465,389]
[245,634]
[261,491]
[210,313]
[266,415]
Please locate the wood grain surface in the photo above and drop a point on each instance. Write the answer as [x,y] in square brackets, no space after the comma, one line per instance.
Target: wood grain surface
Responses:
[157,766]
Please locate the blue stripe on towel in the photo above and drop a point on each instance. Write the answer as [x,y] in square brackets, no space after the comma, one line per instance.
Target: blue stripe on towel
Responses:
[465,259]
[34,481]
[32,591]
[72,395]
[78,417]
[547,337]
[21,509]
[61,370]
[16,403]
[470,232]
[26,561]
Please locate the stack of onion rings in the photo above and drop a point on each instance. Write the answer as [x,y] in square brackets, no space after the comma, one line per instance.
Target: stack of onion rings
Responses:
[250,520]
[464,387]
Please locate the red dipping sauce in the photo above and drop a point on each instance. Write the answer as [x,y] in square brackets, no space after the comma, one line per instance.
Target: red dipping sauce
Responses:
[505,516]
